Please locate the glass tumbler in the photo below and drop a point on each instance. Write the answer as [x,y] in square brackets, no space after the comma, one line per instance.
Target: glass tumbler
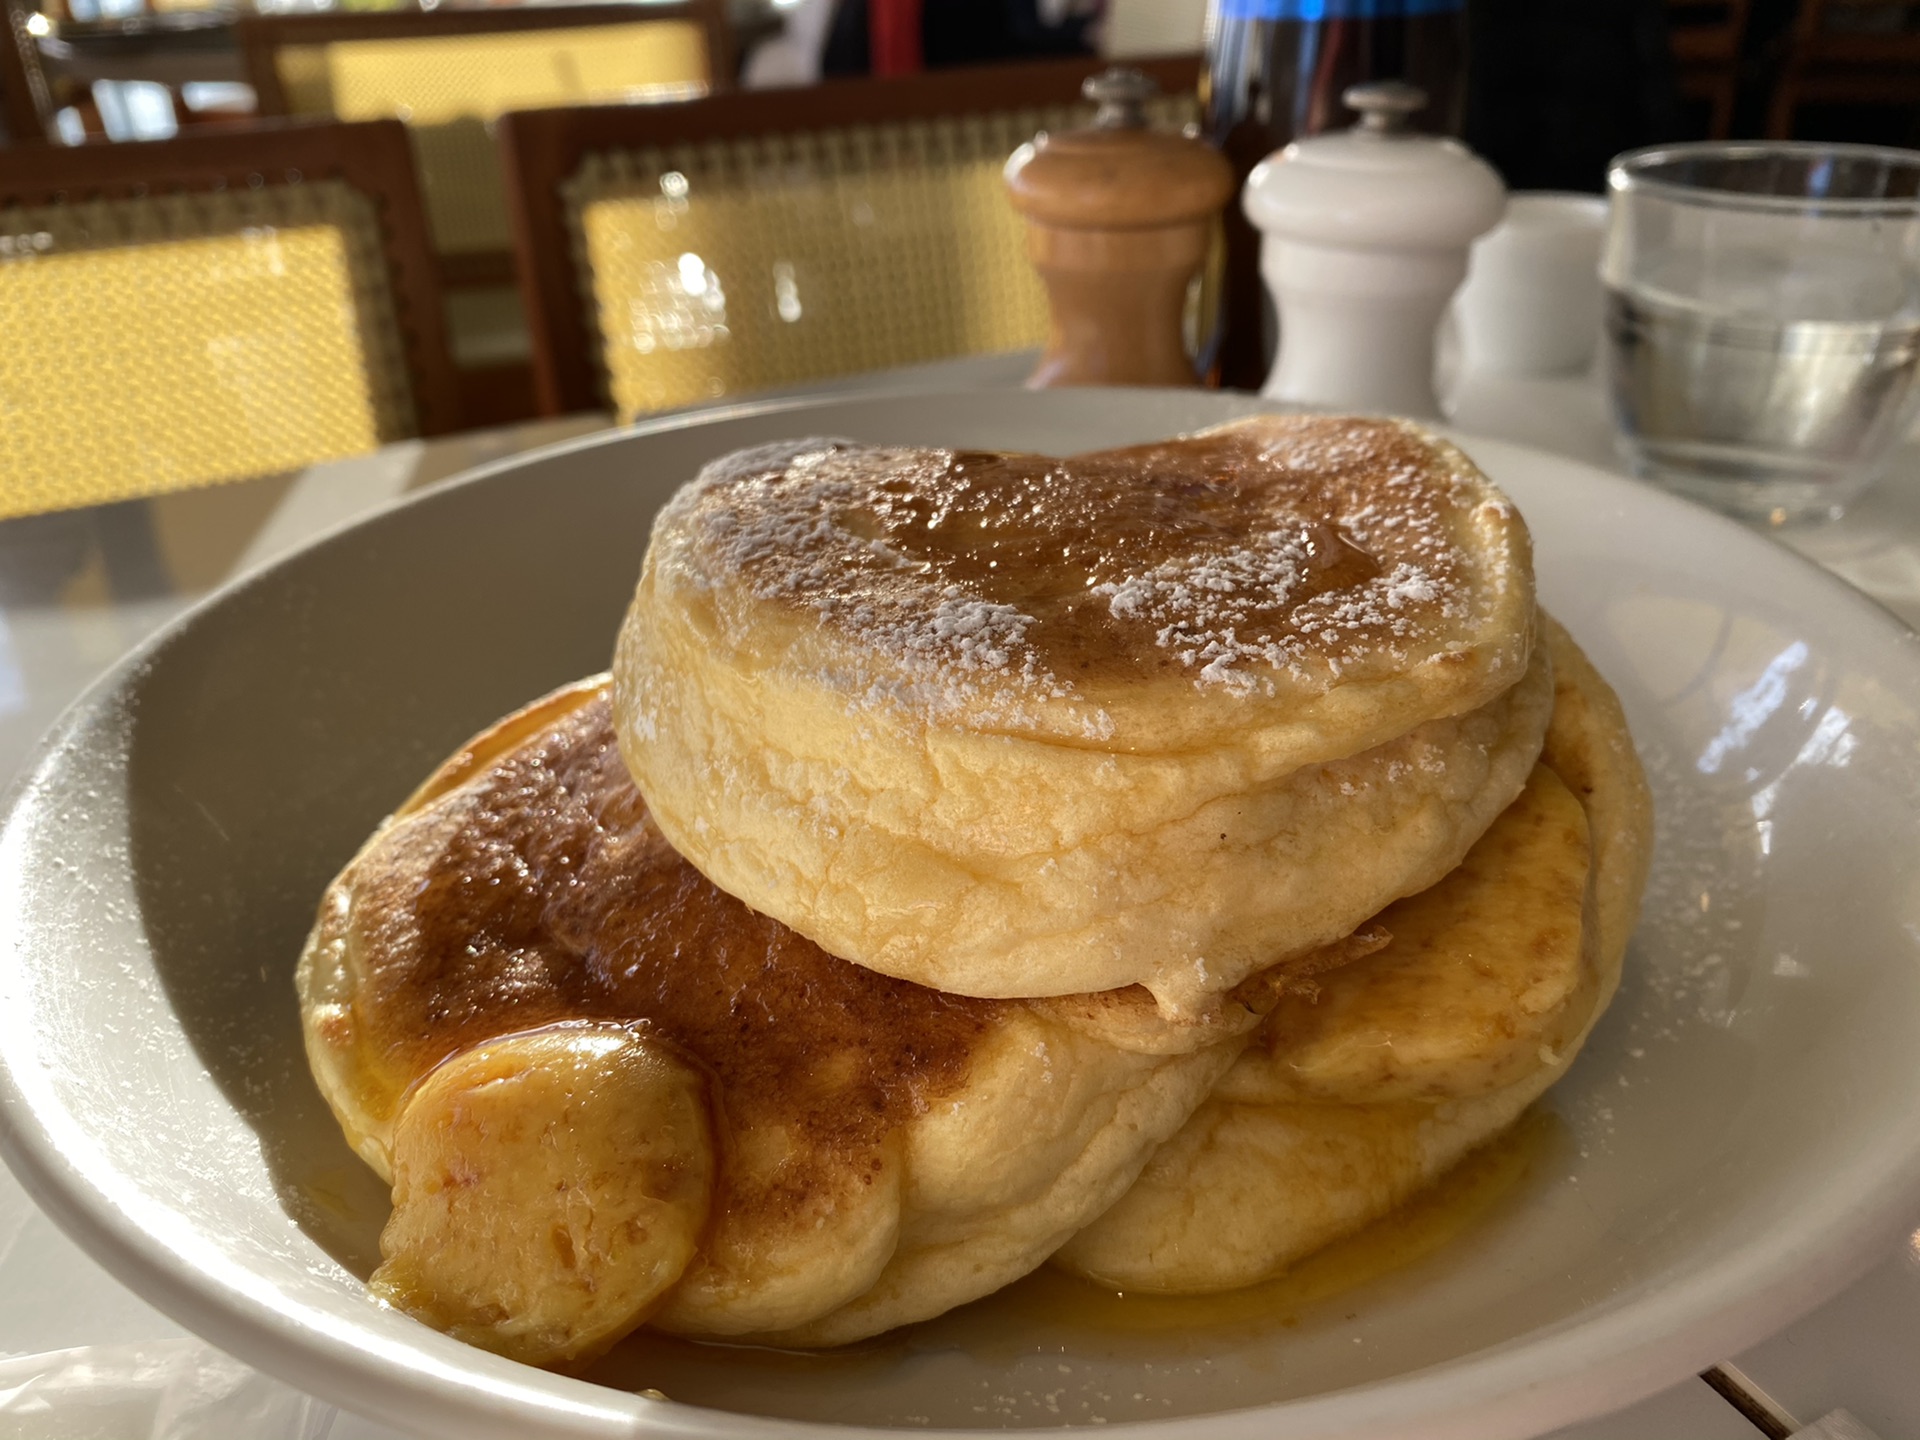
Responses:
[1763,320]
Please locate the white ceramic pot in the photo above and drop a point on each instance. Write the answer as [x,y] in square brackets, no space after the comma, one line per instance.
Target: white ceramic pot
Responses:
[1531,304]
[1366,235]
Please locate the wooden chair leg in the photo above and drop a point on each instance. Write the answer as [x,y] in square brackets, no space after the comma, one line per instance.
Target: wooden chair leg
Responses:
[1786,98]
[1720,127]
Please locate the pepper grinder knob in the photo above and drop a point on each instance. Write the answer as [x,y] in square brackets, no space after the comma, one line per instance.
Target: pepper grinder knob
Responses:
[1385,106]
[1122,94]
[1365,240]
[1118,220]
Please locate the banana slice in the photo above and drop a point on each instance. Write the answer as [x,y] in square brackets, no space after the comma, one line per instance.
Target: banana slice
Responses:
[549,1187]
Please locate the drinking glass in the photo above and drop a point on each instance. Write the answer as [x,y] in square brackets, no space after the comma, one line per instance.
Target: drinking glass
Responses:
[1763,319]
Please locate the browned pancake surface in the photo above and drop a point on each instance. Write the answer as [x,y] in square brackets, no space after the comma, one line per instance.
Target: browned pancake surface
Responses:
[608,1094]
[540,892]
[1329,541]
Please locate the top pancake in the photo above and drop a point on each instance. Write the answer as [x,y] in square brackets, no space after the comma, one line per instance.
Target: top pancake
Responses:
[1308,586]
[1013,726]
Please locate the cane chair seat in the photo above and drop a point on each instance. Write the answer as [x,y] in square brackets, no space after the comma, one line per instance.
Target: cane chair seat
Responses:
[727,269]
[449,86]
[771,256]
[184,337]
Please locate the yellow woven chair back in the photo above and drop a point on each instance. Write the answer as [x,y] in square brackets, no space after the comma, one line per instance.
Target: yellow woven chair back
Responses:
[734,267]
[450,88]
[161,343]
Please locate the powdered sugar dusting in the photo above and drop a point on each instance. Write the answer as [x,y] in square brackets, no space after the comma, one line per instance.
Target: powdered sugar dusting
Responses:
[1236,616]
[797,526]
[985,633]
[1288,556]
[1199,604]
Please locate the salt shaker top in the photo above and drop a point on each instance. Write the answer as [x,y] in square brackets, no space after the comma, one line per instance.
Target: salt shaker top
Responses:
[1380,185]
[1118,174]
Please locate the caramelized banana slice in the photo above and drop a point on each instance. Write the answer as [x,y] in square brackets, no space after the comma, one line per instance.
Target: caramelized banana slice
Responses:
[549,1187]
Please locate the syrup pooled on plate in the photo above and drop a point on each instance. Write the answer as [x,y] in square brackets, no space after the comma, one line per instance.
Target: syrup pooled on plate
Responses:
[1044,1350]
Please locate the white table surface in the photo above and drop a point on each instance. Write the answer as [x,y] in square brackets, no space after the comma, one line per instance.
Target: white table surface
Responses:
[78,589]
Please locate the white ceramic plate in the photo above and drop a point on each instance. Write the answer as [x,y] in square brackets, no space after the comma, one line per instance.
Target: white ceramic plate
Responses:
[1738,1137]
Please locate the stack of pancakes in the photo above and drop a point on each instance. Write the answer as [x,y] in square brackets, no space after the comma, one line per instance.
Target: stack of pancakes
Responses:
[1163,860]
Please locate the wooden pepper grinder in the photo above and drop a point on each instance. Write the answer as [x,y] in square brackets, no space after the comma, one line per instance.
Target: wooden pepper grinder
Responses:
[1118,221]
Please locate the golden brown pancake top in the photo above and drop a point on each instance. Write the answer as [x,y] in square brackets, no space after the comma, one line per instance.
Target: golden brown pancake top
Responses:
[539,891]
[1314,541]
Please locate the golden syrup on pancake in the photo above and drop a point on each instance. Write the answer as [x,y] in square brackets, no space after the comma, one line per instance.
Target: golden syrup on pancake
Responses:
[1227,555]
[337,1199]
[1050,1312]
[542,893]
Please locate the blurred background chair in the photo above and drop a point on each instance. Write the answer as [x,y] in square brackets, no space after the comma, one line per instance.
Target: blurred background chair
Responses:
[745,242]
[133,76]
[449,72]
[1851,52]
[1708,36]
[26,104]
[215,307]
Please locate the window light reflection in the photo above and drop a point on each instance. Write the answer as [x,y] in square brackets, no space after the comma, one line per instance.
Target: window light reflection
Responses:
[786,291]
[1752,707]
[678,307]
[693,274]
[1831,743]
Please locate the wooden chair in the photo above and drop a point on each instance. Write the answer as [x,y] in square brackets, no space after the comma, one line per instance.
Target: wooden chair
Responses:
[26,106]
[679,253]
[1848,52]
[450,71]
[1707,40]
[229,304]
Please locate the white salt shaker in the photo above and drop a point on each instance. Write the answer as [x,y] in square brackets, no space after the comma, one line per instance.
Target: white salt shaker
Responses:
[1366,234]
[1531,304]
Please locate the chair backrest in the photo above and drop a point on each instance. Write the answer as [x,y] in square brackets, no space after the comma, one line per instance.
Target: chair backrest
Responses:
[224,305]
[1867,32]
[1707,31]
[1707,37]
[677,253]
[1849,51]
[450,71]
[25,105]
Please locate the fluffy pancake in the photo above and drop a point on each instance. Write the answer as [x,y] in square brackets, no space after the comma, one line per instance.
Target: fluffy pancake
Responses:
[1351,1101]
[1011,725]
[607,1093]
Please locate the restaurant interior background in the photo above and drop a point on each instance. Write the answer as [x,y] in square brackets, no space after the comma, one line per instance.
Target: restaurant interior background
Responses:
[517,255]
[337,251]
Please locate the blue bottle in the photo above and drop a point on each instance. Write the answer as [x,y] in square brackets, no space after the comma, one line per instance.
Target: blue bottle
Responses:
[1275,72]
